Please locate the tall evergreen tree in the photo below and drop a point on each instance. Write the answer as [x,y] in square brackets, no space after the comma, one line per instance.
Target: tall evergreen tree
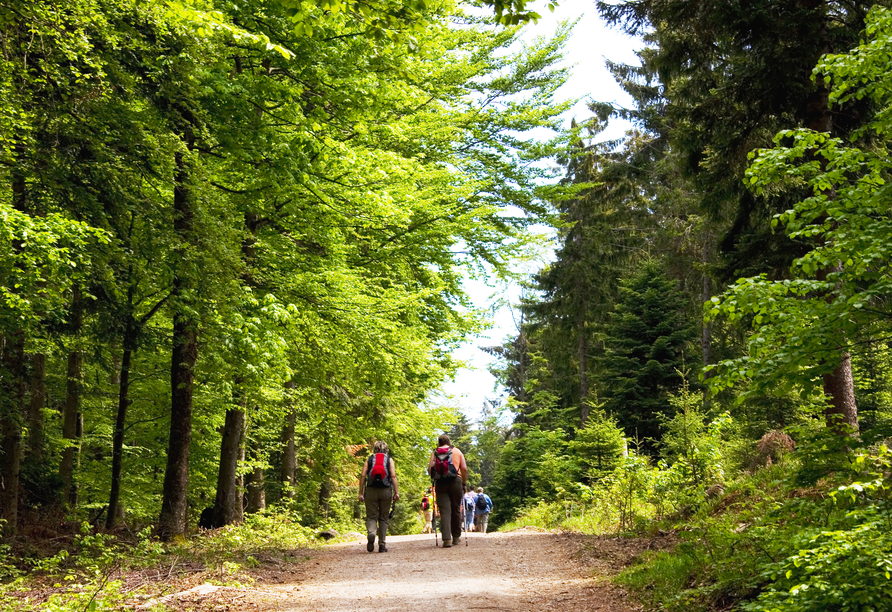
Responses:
[650,344]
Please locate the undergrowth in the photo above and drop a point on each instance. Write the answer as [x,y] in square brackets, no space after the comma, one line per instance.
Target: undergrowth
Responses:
[810,531]
[790,538]
[92,573]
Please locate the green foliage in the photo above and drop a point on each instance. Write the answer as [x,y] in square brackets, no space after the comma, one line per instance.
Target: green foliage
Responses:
[533,466]
[845,564]
[579,516]
[700,451]
[272,532]
[776,546]
[648,341]
[84,575]
[599,445]
[835,296]
[344,166]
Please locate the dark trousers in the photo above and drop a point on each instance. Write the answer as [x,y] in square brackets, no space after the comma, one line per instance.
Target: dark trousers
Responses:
[449,502]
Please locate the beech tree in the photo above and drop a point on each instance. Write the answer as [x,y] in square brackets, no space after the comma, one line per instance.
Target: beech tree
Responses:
[293,211]
[838,290]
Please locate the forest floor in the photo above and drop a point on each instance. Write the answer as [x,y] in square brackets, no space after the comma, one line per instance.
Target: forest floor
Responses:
[512,572]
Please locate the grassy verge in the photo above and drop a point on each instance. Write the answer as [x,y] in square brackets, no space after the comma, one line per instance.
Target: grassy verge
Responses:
[99,572]
[810,534]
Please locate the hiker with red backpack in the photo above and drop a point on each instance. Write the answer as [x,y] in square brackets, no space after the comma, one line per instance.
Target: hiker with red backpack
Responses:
[449,471]
[378,488]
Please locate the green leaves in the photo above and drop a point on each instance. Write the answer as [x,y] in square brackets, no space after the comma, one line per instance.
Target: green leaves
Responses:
[799,325]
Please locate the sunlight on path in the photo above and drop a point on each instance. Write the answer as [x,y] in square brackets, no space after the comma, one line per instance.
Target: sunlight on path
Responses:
[513,572]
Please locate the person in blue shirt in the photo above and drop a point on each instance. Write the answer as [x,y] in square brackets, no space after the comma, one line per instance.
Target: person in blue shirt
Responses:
[468,500]
[482,508]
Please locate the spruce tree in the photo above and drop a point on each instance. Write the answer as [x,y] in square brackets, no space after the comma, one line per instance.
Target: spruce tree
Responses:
[649,340]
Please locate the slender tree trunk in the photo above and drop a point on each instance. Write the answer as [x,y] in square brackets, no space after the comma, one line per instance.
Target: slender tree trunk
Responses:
[255,486]
[706,334]
[120,422]
[36,439]
[841,411]
[228,503]
[325,496]
[256,491]
[72,406]
[289,456]
[12,403]
[582,350]
[12,388]
[174,501]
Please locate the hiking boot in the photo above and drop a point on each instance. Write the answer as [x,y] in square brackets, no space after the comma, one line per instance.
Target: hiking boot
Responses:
[447,543]
[456,540]
[371,545]
[382,547]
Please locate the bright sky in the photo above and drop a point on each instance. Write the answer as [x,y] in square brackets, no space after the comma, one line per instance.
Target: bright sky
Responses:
[586,51]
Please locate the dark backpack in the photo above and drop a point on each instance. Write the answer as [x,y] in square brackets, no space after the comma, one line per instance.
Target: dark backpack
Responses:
[379,471]
[481,504]
[425,504]
[443,467]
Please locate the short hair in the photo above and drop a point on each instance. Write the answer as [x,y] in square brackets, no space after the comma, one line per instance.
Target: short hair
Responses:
[480,489]
[443,440]
[381,447]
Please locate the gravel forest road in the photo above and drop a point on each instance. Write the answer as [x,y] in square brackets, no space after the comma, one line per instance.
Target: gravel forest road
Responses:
[510,572]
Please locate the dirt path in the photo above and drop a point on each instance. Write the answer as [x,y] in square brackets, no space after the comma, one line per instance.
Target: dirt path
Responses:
[511,572]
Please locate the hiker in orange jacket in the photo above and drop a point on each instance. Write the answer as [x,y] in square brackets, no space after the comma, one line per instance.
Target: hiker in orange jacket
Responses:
[449,472]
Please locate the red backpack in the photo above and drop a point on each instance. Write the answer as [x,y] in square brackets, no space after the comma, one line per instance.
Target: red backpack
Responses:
[379,471]
[443,467]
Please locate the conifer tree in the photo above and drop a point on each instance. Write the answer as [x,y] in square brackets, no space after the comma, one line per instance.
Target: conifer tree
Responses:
[649,342]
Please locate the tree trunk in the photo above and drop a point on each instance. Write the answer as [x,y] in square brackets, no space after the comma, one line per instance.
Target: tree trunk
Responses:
[36,440]
[582,350]
[118,438]
[706,334]
[12,403]
[12,388]
[289,456]
[839,385]
[228,503]
[72,408]
[325,496]
[172,521]
[255,486]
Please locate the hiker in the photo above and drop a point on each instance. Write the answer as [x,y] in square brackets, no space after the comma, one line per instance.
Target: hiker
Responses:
[482,508]
[378,489]
[427,512]
[449,472]
[468,500]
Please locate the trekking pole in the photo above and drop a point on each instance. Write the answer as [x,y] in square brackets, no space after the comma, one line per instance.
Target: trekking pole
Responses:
[464,521]
[467,531]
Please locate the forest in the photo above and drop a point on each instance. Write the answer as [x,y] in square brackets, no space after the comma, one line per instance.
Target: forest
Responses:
[233,249]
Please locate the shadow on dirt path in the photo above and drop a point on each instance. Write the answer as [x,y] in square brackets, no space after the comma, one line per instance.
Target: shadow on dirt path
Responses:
[516,571]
